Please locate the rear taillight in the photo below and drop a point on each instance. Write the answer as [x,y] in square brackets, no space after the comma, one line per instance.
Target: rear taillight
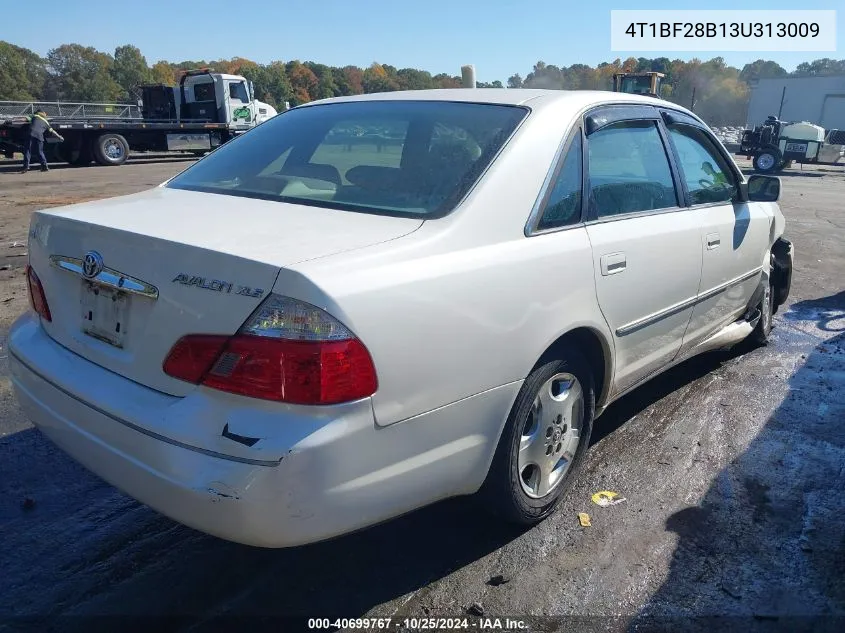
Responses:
[37,299]
[288,351]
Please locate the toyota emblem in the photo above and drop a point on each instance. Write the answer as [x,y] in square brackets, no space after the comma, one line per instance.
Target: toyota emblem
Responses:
[92,264]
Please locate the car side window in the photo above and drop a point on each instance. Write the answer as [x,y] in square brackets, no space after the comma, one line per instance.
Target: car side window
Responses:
[564,204]
[629,170]
[708,177]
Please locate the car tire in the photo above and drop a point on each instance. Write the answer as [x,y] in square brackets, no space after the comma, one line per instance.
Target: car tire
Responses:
[768,160]
[760,333]
[556,403]
[110,150]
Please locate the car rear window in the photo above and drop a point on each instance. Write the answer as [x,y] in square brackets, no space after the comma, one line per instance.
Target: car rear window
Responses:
[403,158]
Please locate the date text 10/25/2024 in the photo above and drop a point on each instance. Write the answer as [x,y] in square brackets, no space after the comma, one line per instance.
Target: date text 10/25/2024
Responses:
[418,624]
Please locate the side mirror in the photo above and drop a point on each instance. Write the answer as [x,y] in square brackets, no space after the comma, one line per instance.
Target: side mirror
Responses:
[763,188]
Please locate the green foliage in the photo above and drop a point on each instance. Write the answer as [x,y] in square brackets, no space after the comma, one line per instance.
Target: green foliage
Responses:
[761,69]
[130,71]
[79,73]
[413,79]
[72,72]
[21,78]
[271,82]
[821,67]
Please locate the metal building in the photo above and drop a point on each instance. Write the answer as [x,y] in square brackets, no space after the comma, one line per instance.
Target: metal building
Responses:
[819,100]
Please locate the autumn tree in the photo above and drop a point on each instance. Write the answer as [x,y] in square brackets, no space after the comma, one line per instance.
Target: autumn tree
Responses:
[326,85]
[353,78]
[303,82]
[377,79]
[77,73]
[603,77]
[162,73]
[442,80]
[630,65]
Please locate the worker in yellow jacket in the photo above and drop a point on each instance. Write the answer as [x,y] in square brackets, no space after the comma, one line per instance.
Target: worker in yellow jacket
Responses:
[38,125]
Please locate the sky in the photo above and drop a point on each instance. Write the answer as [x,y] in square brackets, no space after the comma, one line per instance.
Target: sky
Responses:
[499,37]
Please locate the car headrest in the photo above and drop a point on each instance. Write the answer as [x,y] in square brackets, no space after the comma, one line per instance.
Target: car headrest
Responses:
[316,171]
[373,177]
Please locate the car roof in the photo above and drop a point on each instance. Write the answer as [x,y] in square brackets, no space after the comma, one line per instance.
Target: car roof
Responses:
[533,97]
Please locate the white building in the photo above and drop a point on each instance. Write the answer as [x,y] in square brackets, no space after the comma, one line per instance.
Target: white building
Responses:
[819,100]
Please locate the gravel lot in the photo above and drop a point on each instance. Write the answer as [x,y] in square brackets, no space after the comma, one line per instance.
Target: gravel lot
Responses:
[733,467]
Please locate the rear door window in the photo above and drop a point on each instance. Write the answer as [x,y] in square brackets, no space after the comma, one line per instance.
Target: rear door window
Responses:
[629,170]
[563,207]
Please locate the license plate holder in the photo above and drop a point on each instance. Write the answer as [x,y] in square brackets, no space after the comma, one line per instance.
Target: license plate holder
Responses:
[796,147]
[105,313]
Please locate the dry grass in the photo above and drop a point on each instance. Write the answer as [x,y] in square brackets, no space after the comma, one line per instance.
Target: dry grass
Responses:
[56,200]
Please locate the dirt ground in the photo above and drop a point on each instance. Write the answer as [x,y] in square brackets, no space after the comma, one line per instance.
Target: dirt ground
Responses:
[732,466]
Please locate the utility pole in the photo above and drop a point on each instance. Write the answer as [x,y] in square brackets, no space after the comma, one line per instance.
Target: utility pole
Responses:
[692,101]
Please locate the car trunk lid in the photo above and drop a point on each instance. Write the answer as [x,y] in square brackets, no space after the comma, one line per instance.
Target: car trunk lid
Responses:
[168,263]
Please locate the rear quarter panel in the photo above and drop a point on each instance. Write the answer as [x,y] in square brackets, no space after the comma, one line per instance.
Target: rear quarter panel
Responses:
[466,303]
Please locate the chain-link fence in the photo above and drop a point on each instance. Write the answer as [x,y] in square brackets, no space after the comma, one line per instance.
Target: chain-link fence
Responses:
[58,110]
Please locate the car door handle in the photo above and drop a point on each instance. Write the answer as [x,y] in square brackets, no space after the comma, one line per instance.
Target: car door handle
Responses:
[612,263]
[713,241]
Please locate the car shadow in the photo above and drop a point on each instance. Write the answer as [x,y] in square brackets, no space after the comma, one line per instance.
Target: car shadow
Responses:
[764,550]
[88,558]
[113,564]
[827,312]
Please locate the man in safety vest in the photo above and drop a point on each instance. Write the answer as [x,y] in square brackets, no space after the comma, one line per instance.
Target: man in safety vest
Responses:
[38,124]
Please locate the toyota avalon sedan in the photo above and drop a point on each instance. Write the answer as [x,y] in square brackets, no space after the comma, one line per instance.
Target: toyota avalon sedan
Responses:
[371,303]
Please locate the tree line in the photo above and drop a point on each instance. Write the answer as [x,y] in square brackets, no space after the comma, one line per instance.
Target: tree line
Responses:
[72,72]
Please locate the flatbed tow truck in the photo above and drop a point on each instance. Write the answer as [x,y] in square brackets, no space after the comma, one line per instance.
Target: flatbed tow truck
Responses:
[204,111]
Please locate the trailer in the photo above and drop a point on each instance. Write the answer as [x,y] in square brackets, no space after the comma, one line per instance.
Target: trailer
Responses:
[204,111]
[776,145]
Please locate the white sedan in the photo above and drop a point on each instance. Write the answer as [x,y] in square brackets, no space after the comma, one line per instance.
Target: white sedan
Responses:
[369,304]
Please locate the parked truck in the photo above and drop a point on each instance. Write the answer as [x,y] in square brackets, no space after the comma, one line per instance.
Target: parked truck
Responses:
[645,83]
[204,111]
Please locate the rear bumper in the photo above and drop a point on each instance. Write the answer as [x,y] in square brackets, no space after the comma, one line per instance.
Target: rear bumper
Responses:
[337,474]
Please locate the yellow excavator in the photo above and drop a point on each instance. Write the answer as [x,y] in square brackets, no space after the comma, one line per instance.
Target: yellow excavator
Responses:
[647,83]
